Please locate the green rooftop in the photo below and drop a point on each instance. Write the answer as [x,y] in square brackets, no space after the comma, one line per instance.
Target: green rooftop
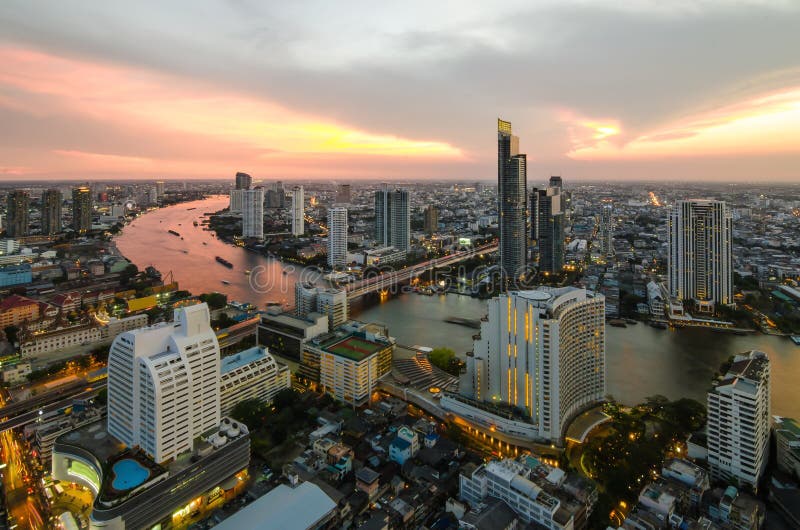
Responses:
[353,348]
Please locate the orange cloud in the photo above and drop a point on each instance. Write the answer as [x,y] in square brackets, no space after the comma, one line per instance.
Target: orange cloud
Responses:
[170,106]
[767,124]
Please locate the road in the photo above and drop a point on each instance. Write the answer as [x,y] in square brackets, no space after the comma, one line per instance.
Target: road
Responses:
[20,486]
[65,401]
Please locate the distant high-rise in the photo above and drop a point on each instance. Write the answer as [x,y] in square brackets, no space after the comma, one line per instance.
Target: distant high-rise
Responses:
[343,194]
[557,182]
[547,228]
[236,201]
[511,197]
[243,181]
[298,212]
[51,212]
[739,420]
[541,352]
[160,188]
[607,229]
[431,223]
[337,237]
[163,384]
[81,209]
[253,213]
[700,264]
[392,218]
[18,214]
[330,302]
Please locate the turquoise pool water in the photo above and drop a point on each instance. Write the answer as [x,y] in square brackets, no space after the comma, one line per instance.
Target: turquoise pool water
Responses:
[128,474]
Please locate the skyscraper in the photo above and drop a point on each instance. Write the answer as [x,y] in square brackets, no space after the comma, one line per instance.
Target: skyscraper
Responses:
[343,194]
[557,182]
[81,209]
[337,237]
[541,352]
[253,213]
[18,214]
[298,219]
[243,181]
[700,264]
[51,212]
[511,197]
[431,224]
[160,188]
[739,420]
[392,218]
[163,384]
[607,229]
[547,228]
[236,201]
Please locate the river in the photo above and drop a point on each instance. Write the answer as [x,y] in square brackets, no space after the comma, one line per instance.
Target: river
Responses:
[640,360]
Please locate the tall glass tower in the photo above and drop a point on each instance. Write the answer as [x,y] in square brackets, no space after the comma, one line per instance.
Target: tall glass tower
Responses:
[511,196]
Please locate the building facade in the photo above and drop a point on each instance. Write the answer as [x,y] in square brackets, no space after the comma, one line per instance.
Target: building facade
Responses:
[700,264]
[431,223]
[236,201]
[511,207]
[787,442]
[326,301]
[393,218]
[343,194]
[607,230]
[18,214]
[163,384]
[253,213]
[82,209]
[739,420]
[243,181]
[51,212]
[337,237]
[547,228]
[541,352]
[298,212]
[251,374]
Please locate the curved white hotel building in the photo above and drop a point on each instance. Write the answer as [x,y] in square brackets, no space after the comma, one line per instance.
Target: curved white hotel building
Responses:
[538,361]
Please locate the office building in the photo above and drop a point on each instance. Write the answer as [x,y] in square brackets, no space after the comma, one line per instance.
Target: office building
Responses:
[739,420]
[515,483]
[236,201]
[82,209]
[298,212]
[163,384]
[343,195]
[511,207]
[539,360]
[243,181]
[431,223]
[700,264]
[337,237]
[346,364]
[787,442]
[607,230]
[51,212]
[286,334]
[547,228]
[330,302]
[392,218]
[18,213]
[252,374]
[276,196]
[253,213]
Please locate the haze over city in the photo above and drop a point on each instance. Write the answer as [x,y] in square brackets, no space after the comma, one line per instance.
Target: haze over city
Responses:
[609,90]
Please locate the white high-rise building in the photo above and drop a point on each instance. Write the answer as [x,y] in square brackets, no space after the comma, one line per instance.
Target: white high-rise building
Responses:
[331,302]
[700,256]
[236,200]
[163,384]
[739,420]
[251,374]
[541,352]
[337,237]
[298,219]
[253,213]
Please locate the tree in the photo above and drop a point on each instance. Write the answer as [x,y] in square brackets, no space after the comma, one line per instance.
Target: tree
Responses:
[441,358]
[214,300]
[251,412]
[12,334]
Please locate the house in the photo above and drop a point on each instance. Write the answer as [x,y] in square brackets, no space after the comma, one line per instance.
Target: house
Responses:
[404,446]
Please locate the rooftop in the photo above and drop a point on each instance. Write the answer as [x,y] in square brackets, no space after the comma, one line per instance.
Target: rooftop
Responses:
[243,358]
[283,508]
[352,347]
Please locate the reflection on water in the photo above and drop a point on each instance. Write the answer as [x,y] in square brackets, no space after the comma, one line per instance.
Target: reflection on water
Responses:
[640,360]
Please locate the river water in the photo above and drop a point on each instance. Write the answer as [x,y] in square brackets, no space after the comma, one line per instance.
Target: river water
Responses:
[640,360]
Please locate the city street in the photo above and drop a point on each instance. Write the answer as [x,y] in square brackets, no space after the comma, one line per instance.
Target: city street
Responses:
[23,497]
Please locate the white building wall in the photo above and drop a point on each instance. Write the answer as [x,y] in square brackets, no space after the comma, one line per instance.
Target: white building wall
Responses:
[337,237]
[253,213]
[298,219]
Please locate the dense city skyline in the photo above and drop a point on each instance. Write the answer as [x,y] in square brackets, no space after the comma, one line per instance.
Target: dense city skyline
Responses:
[688,91]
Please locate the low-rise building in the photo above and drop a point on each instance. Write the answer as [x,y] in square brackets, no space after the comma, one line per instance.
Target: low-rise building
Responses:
[383,256]
[404,446]
[12,275]
[251,374]
[286,335]
[694,477]
[16,310]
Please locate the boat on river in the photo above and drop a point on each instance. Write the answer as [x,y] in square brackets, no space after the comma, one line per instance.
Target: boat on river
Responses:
[795,339]
[223,261]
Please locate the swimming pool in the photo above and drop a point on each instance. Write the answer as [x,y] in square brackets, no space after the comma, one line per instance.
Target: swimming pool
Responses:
[128,474]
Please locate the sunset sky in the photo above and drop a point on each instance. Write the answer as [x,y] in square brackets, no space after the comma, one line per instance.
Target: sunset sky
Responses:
[644,89]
